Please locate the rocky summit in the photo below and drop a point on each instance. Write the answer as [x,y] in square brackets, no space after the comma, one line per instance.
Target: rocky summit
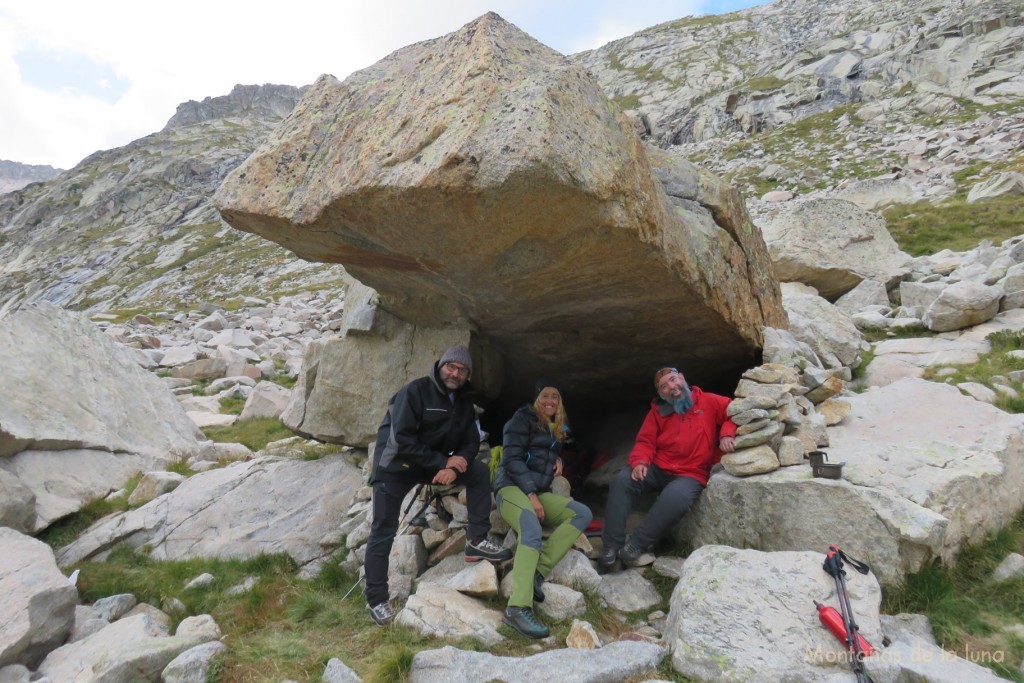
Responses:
[482,180]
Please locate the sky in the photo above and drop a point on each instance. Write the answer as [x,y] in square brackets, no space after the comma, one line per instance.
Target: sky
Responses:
[78,76]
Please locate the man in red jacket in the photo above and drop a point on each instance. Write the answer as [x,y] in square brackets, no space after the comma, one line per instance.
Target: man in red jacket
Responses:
[685,433]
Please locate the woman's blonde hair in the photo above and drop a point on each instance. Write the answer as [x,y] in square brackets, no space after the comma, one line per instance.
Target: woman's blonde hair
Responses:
[560,419]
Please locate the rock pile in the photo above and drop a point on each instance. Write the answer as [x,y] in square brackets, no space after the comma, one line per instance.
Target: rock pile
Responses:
[781,414]
[231,354]
[946,291]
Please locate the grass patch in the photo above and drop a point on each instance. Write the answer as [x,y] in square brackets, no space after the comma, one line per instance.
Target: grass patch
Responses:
[900,333]
[285,381]
[861,371]
[181,467]
[923,228]
[968,610]
[763,83]
[232,406]
[627,102]
[992,365]
[282,378]
[255,433]
[124,315]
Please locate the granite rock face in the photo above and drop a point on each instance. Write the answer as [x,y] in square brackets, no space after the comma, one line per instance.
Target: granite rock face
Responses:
[482,179]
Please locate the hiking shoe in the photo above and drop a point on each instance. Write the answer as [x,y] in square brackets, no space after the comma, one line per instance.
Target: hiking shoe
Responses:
[606,560]
[538,587]
[485,550]
[523,620]
[633,556]
[382,614]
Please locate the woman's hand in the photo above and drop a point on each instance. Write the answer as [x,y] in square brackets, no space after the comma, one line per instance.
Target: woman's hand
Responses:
[538,509]
[558,467]
[640,472]
[727,444]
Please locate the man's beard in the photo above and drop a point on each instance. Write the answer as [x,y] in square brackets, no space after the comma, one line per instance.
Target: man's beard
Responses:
[684,402]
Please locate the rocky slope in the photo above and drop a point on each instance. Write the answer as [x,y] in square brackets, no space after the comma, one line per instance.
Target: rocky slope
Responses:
[14,176]
[804,95]
[753,70]
[135,224]
[895,102]
[138,230]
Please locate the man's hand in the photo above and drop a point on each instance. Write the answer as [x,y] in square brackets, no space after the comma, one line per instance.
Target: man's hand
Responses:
[538,509]
[640,472]
[727,444]
[457,463]
[558,467]
[444,477]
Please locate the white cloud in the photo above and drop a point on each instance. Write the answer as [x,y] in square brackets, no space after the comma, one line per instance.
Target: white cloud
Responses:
[169,53]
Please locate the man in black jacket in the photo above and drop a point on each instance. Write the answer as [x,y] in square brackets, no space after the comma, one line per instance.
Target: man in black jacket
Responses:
[429,435]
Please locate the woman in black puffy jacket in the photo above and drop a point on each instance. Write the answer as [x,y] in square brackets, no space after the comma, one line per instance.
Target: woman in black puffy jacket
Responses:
[531,459]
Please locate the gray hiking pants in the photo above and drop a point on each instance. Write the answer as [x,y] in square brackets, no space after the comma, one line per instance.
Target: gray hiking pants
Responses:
[678,494]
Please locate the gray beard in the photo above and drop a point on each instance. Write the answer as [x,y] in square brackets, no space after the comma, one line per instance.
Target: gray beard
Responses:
[684,402]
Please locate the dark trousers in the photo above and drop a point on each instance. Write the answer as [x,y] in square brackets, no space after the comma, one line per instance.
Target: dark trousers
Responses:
[678,494]
[387,507]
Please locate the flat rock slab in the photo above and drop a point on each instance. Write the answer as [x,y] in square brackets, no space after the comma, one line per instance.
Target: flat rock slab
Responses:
[483,178]
[134,648]
[618,661]
[66,385]
[267,505]
[444,612]
[900,358]
[746,615]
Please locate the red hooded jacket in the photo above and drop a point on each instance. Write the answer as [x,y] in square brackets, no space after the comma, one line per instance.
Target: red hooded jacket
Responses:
[684,445]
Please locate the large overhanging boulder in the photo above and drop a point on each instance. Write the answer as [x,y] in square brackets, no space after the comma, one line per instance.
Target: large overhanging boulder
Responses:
[482,180]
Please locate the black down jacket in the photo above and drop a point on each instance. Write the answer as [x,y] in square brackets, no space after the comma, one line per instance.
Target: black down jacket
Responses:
[422,428]
[530,453]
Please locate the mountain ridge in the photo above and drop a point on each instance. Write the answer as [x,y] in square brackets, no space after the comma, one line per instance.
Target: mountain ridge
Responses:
[836,103]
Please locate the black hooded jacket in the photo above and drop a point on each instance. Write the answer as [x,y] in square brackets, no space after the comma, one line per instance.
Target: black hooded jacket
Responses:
[529,454]
[422,428]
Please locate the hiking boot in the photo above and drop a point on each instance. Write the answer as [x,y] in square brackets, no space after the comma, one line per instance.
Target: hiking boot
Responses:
[523,620]
[606,560]
[382,614]
[485,550]
[632,556]
[538,587]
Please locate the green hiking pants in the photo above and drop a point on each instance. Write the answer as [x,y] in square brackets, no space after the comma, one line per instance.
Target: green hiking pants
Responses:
[533,554]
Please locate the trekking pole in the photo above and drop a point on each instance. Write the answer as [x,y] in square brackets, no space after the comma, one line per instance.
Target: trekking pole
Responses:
[833,565]
[406,519]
